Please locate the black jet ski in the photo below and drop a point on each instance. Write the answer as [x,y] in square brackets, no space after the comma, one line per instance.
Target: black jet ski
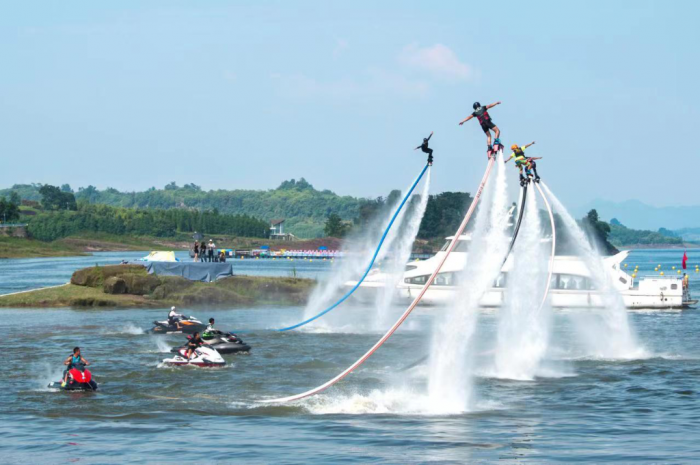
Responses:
[223,342]
[79,379]
[188,325]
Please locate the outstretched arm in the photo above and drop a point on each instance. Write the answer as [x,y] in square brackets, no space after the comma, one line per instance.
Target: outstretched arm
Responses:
[531,143]
[535,158]
[512,155]
[431,135]
[418,147]
[466,119]
[488,107]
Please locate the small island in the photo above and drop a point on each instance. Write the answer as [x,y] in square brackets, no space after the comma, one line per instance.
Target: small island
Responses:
[130,286]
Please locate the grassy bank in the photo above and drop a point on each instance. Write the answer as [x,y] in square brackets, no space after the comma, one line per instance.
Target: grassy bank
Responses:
[130,286]
[19,247]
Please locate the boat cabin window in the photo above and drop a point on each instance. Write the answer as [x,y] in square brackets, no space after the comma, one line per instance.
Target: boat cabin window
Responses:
[674,286]
[416,280]
[572,282]
[623,280]
[410,267]
[501,280]
[445,279]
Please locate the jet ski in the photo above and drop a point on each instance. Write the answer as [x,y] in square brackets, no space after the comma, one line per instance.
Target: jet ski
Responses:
[188,325]
[79,379]
[202,357]
[223,342]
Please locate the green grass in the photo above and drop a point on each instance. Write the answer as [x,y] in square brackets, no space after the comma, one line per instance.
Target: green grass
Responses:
[86,290]
[17,247]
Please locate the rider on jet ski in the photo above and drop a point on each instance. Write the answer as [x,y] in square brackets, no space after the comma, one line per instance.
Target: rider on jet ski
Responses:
[195,342]
[72,361]
[174,317]
[210,326]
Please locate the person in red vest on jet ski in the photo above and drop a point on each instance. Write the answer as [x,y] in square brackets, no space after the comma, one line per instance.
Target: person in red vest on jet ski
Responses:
[72,361]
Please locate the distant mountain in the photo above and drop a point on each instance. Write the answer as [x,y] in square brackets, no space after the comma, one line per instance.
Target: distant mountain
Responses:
[638,215]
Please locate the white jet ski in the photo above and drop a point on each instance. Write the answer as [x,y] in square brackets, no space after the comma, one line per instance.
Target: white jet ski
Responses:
[202,357]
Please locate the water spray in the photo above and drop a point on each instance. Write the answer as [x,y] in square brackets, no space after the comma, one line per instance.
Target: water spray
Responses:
[410,308]
[371,263]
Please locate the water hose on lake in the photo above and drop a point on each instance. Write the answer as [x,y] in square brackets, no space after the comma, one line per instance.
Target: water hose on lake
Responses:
[374,257]
[408,311]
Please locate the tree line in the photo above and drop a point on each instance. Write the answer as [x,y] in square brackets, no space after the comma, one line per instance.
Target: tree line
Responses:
[52,225]
[9,208]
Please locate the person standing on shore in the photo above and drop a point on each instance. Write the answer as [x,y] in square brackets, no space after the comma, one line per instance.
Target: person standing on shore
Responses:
[202,252]
[196,251]
[211,248]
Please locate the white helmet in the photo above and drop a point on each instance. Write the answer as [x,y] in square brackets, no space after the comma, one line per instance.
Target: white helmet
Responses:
[173,309]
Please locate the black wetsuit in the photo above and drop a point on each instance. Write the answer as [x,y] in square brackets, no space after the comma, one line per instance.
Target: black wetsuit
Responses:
[482,114]
[425,149]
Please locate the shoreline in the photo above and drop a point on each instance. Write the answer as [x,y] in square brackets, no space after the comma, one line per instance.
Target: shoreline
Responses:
[129,286]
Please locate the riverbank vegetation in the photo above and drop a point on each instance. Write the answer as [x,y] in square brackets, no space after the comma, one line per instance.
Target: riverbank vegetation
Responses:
[130,286]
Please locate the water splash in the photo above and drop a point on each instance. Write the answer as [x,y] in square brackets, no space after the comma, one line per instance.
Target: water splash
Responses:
[450,383]
[611,336]
[394,270]
[358,250]
[523,329]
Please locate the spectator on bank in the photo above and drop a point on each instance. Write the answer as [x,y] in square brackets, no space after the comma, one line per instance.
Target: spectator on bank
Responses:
[222,256]
[202,252]
[210,248]
[196,251]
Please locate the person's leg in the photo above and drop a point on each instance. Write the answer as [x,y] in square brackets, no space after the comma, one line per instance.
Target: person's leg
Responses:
[497,133]
[430,155]
[488,137]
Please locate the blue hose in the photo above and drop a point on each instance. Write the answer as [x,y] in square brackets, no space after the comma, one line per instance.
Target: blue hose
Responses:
[369,267]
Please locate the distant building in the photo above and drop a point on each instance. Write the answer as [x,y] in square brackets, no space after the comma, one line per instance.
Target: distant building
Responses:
[277,231]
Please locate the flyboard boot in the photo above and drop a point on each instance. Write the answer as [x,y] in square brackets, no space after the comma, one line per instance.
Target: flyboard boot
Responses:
[430,160]
[497,145]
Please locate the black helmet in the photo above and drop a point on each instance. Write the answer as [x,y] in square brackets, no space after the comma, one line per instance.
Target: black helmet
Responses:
[476,105]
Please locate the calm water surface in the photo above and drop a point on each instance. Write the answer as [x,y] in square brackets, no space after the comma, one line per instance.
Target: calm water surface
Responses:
[589,410]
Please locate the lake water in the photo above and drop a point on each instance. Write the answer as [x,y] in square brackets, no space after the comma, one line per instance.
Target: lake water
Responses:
[587,410]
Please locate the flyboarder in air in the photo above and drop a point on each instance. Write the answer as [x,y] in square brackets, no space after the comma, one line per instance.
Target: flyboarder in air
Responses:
[482,114]
[424,147]
[523,162]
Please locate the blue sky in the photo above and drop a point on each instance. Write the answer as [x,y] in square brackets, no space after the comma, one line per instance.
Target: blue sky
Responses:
[247,94]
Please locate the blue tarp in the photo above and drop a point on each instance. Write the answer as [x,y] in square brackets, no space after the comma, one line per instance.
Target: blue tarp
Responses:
[194,271]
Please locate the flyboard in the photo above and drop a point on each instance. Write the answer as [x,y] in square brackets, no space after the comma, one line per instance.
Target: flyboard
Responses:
[410,308]
[374,257]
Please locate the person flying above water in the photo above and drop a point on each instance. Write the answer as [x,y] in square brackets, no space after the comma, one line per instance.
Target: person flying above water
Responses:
[521,161]
[71,361]
[425,149]
[482,114]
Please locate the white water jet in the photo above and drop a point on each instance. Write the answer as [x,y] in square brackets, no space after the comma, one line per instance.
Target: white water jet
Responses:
[450,374]
[357,253]
[610,337]
[400,253]
[523,328]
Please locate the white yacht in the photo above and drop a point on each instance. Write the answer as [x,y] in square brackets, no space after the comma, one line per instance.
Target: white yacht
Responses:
[571,284]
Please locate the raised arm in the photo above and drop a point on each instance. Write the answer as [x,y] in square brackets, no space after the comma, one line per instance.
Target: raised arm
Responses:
[488,107]
[431,135]
[531,143]
[466,119]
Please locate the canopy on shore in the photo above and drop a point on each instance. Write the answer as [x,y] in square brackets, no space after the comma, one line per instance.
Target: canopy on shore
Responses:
[161,257]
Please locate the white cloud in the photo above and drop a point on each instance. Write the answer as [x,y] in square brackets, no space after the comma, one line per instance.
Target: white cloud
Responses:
[438,60]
